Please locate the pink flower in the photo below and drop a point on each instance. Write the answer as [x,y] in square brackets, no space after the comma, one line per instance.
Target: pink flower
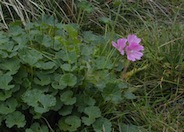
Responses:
[133,51]
[120,45]
[132,38]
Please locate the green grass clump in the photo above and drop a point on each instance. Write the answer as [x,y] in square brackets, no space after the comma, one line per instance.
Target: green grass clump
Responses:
[157,80]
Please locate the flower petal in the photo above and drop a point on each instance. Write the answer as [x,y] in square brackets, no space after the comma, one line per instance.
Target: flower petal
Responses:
[139,47]
[132,38]
[137,55]
[114,44]
[133,52]
[136,47]
[131,57]
[122,52]
[121,43]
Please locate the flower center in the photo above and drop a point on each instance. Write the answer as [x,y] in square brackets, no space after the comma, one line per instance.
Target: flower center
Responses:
[131,51]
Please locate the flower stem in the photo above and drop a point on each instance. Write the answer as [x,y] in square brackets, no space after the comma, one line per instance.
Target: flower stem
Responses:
[124,70]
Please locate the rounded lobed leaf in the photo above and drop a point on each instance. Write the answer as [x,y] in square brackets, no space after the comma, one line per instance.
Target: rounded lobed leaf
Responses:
[67,98]
[15,118]
[42,79]
[5,95]
[68,80]
[36,127]
[66,110]
[129,95]
[5,79]
[12,65]
[8,106]
[112,93]
[40,101]
[30,56]
[102,124]
[70,123]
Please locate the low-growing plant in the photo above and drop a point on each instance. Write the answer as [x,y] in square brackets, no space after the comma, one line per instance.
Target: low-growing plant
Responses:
[53,77]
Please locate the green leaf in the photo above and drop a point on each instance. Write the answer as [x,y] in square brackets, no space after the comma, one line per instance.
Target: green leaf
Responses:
[70,57]
[102,124]
[21,76]
[12,65]
[34,34]
[83,101]
[8,106]
[3,54]
[48,20]
[45,65]
[88,121]
[93,39]
[100,78]
[4,38]
[42,79]
[93,112]
[57,45]
[67,98]
[74,122]
[15,118]
[71,123]
[8,47]
[105,20]
[66,67]
[31,97]
[5,79]
[103,62]
[45,102]
[40,101]
[121,84]
[66,110]
[86,50]
[47,41]
[35,127]
[62,125]
[15,29]
[129,95]
[30,56]
[5,94]
[117,3]
[112,93]
[22,40]
[58,105]
[71,30]
[100,84]
[119,66]
[68,80]
[86,6]
[1,119]
[56,85]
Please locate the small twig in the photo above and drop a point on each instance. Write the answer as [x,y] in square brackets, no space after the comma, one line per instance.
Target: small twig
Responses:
[48,124]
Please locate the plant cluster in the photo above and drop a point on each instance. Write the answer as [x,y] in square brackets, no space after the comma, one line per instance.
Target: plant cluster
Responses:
[52,72]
